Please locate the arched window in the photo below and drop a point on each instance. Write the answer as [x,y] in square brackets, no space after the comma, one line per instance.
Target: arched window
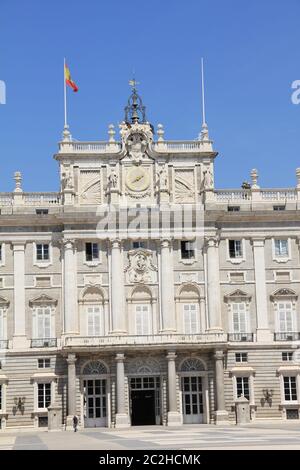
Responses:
[92,311]
[140,311]
[189,304]
[192,364]
[95,368]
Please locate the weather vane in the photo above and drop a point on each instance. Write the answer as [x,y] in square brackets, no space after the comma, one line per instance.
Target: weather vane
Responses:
[133,83]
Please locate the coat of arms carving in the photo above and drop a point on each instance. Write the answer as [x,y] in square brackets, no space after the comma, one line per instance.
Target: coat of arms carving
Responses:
[140,268]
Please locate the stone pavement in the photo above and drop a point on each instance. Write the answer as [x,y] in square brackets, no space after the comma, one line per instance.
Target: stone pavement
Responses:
[275,435]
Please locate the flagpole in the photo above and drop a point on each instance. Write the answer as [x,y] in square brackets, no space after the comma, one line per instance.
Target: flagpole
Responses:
[65,95]
[203,99]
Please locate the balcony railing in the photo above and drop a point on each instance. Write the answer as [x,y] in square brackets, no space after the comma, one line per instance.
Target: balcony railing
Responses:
[44,343]
[87,341]
[230,195]
[240,337]
[287,336]
[261,195]
[89,147]
[3,343]
[41,199]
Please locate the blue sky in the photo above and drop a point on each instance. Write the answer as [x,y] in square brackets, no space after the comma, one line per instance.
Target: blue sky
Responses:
[251,52]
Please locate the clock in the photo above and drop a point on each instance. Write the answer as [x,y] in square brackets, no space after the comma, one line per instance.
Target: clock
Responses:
[137,179]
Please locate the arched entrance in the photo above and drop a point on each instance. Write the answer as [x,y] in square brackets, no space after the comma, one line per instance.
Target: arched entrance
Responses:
[193,378]
[94,385]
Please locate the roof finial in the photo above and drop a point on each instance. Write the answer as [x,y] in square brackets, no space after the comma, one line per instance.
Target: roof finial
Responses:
[204,130]
[134,111]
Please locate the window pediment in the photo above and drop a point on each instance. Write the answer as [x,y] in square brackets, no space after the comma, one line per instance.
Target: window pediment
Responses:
[237,296]
[42,299]
[282,294]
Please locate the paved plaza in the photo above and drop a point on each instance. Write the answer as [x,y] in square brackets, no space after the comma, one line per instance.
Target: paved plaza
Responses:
[190,437]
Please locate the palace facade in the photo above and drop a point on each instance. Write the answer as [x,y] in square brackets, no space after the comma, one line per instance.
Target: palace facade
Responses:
[141,294]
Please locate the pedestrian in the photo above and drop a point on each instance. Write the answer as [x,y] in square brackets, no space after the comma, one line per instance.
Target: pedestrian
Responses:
[75,423]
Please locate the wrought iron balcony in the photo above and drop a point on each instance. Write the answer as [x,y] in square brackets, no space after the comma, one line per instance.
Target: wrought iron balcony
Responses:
[240,337]
[287,336]
[144,340]
[3,343]
[44,343]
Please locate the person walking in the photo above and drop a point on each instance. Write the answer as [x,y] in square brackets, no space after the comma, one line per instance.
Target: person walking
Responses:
[75,423]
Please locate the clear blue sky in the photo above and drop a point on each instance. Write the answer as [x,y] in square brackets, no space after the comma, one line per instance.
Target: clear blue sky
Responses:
[251,52]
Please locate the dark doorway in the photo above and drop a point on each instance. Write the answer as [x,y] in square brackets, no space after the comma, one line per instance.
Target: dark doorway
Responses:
[143,407]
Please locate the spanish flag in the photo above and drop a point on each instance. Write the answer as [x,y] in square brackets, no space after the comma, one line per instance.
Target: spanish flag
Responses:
[69,80]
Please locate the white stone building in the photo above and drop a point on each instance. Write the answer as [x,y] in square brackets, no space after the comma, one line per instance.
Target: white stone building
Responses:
[140,294]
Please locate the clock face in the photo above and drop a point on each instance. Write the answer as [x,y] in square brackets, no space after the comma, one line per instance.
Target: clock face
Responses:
[137,179]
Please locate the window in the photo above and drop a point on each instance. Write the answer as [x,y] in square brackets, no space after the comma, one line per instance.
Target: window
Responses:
[91,252]
[41,211]
[233,208]
[0,252]
[285,316]
[190,318]
[43,363]
[43,322]
[42,252]
[287,356]
[187,249]
[142,319]
[94,321]
[279,208]
[1,323]
[235,249]
[239,319]
[281,248]
[0,397]
[139,244]
[44,395]
[290,388]
[241,357]
[242,387]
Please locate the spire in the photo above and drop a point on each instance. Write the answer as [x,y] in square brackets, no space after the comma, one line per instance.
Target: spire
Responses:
[135,110]
[204,129]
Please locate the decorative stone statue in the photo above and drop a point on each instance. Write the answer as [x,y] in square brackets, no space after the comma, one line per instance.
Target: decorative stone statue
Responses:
[67,179]
[162,175]
[136,146]
[113,179]
[208,182]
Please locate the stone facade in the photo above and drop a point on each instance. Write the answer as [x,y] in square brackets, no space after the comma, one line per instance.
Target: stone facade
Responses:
[140,294]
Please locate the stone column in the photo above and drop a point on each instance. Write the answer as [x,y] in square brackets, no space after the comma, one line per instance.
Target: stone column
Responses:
[174,418]
[19,338]
[221,414]
[213,285]
[167,288]
[117,289]
[203,326]
[122,419]
[263,333]
[71,360]
[70,289]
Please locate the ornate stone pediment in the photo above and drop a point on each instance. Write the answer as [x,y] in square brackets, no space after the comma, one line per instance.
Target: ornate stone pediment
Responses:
[136,139]
[284,293]
[141,268]
[237,295]
[42,299]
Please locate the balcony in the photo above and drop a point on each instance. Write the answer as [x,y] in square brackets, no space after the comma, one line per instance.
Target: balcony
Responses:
[248,196]
[44,343]
[287,336]
[144,340]
[240,337]
[3,343]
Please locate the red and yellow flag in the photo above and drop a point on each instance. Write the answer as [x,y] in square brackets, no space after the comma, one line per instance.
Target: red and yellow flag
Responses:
[69,80]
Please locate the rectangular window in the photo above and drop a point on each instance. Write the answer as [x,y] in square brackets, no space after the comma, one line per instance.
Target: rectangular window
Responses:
[44,395]
[91,251]
[139,244]
[43,322]
[0,252]
[241,357]
[94,321]
[43,363]
[187,249]
[42,252]
[190,318]
[0,397]
[290,388]
[142,319]
[1,324]
[235,249]
[239,318]
[281,248]
[242,387]
[41,211]
[287,356]
[285,317]
[279,208]
[233,208]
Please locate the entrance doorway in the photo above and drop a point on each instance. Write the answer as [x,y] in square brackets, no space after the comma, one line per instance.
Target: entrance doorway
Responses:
[145,400]
[95,403]
[192,399]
